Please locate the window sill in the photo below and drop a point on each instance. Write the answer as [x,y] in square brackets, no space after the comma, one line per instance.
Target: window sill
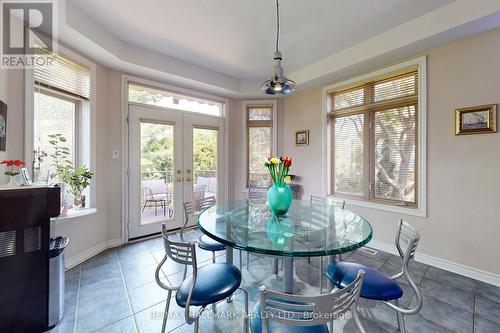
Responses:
[74,214]
[419,211]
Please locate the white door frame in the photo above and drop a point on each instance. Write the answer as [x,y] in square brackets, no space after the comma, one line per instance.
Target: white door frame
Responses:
[125,136]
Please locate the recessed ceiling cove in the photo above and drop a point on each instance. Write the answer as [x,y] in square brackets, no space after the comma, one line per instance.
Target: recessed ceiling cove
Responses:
[236,37]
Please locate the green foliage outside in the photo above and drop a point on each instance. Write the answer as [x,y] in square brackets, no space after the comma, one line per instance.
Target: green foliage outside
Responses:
[157,151]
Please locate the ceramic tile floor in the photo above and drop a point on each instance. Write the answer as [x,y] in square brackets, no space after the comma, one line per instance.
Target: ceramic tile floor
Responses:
[115,291]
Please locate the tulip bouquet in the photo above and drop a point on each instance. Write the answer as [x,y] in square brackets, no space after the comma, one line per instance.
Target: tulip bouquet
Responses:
[278,168]
[12,164]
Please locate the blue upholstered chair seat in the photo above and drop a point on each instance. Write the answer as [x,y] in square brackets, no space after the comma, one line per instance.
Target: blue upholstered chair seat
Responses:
[275,327]
[214,283]
[209,244]
[375,285]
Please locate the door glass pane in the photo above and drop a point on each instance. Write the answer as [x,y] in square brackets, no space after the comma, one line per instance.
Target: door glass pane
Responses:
[204,163]
[157,172]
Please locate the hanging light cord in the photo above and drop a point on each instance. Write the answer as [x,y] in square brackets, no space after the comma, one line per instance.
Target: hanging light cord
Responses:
[277,25]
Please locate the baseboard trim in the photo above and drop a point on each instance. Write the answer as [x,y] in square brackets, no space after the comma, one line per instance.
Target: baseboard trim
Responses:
[78,259]
[450,266]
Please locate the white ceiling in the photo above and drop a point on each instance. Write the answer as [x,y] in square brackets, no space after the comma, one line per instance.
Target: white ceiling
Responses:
[226,46]
[236,37]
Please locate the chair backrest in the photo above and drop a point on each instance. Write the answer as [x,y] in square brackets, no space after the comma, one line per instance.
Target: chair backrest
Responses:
[407,238]
[317,200]
[156,186]
[147,193]
[194,206]
[296,310]
[335,202]
[255,192]
[183,253]
[329,200]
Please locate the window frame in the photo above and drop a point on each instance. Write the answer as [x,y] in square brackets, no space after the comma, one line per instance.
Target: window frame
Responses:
[246,105]
[368,199]
[174,91]
[86,135]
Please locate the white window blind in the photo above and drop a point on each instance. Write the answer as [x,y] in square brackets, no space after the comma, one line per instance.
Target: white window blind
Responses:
[64,75]
[374,135]
[349,154]
[394,154]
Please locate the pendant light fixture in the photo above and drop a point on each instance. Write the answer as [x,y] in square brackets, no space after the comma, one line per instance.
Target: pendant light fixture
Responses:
[278,84]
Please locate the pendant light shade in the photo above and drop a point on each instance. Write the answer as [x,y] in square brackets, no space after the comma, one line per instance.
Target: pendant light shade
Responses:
[278,84]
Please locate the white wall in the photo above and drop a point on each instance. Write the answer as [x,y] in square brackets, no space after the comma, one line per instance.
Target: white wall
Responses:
[463,223]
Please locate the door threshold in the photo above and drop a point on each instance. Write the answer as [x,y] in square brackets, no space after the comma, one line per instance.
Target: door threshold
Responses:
[156,234]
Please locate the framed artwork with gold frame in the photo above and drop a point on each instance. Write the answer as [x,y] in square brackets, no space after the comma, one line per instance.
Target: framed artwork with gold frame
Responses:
[302,138]
[476,119]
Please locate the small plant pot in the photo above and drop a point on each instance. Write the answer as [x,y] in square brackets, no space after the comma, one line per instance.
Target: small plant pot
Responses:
[79,201]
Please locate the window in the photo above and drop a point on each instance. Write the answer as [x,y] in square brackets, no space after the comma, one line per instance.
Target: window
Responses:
[148,95]
[259,119]
[373,128]
[61,95]
[54,125]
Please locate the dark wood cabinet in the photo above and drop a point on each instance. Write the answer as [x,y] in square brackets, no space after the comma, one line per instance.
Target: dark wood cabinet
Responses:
[24,257]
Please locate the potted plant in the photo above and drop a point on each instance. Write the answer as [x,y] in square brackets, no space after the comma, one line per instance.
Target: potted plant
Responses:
[77,179]
[12,173]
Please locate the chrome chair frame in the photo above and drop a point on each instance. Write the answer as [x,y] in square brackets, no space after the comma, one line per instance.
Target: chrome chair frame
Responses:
[184,253]
[190,209]
[310,310]
[407,238]
[329,201]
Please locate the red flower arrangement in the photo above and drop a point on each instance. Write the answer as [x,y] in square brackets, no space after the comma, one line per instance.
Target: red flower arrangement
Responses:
[12,164]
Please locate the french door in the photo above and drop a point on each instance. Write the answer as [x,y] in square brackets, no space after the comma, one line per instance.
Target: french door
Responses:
[173,157]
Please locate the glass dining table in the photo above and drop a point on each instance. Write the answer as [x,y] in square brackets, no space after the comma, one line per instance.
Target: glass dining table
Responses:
[307,230]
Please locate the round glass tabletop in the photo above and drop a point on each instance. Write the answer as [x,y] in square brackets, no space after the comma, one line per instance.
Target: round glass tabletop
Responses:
[305,231]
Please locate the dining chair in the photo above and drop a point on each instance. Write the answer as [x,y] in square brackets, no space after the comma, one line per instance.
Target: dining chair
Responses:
[206,285]
[204,242]
[377,286]
[333,202]
[278,312]
[151,201]
[254,192]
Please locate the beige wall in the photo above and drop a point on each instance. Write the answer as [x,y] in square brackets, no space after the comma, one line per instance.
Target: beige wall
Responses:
[463,223]
[89,231]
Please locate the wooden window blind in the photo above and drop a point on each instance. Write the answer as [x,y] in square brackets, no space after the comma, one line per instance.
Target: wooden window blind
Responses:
[374,139]
[66,76]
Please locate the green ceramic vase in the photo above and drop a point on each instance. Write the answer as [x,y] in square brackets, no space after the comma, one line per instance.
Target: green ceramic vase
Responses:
[279,197]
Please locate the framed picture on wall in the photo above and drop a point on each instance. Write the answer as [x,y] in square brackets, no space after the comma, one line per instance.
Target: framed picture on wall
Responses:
[26,176]
[476,120]
[3,126]
[302,138]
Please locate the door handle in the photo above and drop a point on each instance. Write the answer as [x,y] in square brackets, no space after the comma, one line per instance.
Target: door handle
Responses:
[188,179]
[179,180]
